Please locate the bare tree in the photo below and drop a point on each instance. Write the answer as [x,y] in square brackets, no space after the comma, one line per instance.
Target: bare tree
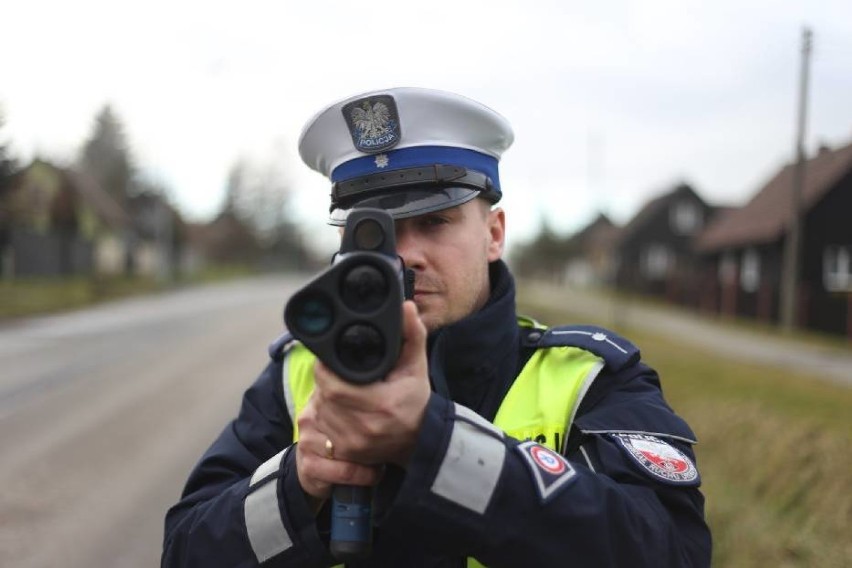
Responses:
[258,195]
[543,257]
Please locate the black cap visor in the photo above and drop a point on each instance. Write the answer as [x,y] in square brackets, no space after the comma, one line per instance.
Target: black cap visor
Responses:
[402,203]
[411,192]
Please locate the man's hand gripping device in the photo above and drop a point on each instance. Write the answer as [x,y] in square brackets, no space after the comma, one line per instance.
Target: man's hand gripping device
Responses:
[350,317]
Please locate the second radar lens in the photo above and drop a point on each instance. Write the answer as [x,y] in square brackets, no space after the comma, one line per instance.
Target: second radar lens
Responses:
[364,288]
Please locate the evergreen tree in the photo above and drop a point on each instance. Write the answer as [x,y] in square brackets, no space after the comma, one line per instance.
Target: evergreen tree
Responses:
[106,155]
[8,165]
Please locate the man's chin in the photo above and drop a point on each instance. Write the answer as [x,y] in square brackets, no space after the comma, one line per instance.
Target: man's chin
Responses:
[428,316]
[427,320]
[434,319]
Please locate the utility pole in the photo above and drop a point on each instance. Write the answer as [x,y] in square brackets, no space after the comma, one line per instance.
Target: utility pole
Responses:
[793,242]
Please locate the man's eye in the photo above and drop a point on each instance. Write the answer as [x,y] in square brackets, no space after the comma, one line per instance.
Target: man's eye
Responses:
[434,220]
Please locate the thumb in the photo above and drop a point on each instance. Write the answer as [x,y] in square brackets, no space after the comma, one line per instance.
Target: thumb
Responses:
[413,336]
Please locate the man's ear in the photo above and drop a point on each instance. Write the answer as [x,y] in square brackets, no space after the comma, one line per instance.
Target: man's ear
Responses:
[497,233]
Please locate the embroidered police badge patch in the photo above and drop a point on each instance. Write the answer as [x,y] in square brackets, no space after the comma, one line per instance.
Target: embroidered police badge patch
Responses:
[373,123]
[550,471]
[659,458]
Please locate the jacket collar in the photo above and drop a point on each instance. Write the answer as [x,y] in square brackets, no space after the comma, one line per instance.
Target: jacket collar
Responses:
[479,352]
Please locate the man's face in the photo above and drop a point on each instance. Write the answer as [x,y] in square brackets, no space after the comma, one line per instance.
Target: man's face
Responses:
[449,252]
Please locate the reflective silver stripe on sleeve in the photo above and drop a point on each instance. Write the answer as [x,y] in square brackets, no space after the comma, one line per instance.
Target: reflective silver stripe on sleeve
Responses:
[472,416]
[471,467]
[288,392]
[268,467]
[264,524]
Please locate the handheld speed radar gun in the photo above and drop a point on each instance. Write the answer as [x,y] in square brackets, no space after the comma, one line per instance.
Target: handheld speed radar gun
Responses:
[350,317]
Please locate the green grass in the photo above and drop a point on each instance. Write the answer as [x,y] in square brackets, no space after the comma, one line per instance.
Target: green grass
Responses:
[34,296]
[774,452]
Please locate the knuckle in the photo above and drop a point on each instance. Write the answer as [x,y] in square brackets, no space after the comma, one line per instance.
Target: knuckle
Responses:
[349,472]
[325,394]
[307,416]
[360,444]
[370,429]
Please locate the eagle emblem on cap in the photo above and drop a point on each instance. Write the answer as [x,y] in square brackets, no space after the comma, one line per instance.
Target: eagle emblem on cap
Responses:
[373,123]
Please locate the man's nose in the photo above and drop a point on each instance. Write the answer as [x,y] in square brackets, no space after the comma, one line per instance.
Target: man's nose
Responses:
[409,247]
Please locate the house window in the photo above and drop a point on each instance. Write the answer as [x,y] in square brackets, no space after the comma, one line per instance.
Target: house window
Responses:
[750,271]
[685,217]
[837,268]
[728,269]
[656,261]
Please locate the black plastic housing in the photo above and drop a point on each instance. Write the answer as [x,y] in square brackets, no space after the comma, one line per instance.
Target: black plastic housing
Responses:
[350,315]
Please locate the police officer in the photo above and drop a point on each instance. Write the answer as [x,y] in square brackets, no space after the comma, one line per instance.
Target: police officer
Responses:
[494,441]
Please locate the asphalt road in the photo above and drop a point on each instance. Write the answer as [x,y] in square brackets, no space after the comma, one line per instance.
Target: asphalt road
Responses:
[103,412]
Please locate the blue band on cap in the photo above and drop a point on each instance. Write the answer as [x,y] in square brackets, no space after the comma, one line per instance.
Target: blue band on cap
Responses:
[418,156]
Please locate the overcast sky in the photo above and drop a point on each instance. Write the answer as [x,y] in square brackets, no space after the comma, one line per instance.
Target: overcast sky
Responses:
[612,103]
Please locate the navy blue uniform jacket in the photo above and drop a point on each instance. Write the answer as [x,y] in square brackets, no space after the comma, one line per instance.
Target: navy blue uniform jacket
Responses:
[605,506]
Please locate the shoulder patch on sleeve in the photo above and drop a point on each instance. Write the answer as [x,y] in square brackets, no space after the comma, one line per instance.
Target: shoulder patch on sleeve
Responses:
[658,459]
[616,351]
[550,471]
[278,347]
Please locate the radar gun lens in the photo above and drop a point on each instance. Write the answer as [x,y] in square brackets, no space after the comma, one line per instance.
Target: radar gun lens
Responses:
[361,347]
[364,289]
[369,235]
[314,315]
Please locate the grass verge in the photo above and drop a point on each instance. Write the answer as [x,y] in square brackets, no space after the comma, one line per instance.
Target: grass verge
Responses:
[773,452]
[34,296]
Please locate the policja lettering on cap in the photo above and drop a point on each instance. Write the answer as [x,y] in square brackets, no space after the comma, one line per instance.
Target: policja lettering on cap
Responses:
[407,150]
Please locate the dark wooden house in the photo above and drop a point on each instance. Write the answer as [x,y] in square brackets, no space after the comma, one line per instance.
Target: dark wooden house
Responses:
[744,248]
[654,251]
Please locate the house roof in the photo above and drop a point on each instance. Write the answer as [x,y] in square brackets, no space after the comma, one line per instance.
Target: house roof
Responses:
[649,211]
[89,191]
[766,217]
[599,233]
[103,204]
[149,210]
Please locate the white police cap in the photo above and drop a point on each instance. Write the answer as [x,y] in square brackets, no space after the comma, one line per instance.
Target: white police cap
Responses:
[407,150]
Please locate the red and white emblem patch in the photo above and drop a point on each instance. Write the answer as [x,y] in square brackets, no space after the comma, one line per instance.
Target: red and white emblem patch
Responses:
[547,460]
[659,458]
[550,471]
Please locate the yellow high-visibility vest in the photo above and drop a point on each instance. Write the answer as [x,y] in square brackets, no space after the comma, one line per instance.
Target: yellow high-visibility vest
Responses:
[540,405]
